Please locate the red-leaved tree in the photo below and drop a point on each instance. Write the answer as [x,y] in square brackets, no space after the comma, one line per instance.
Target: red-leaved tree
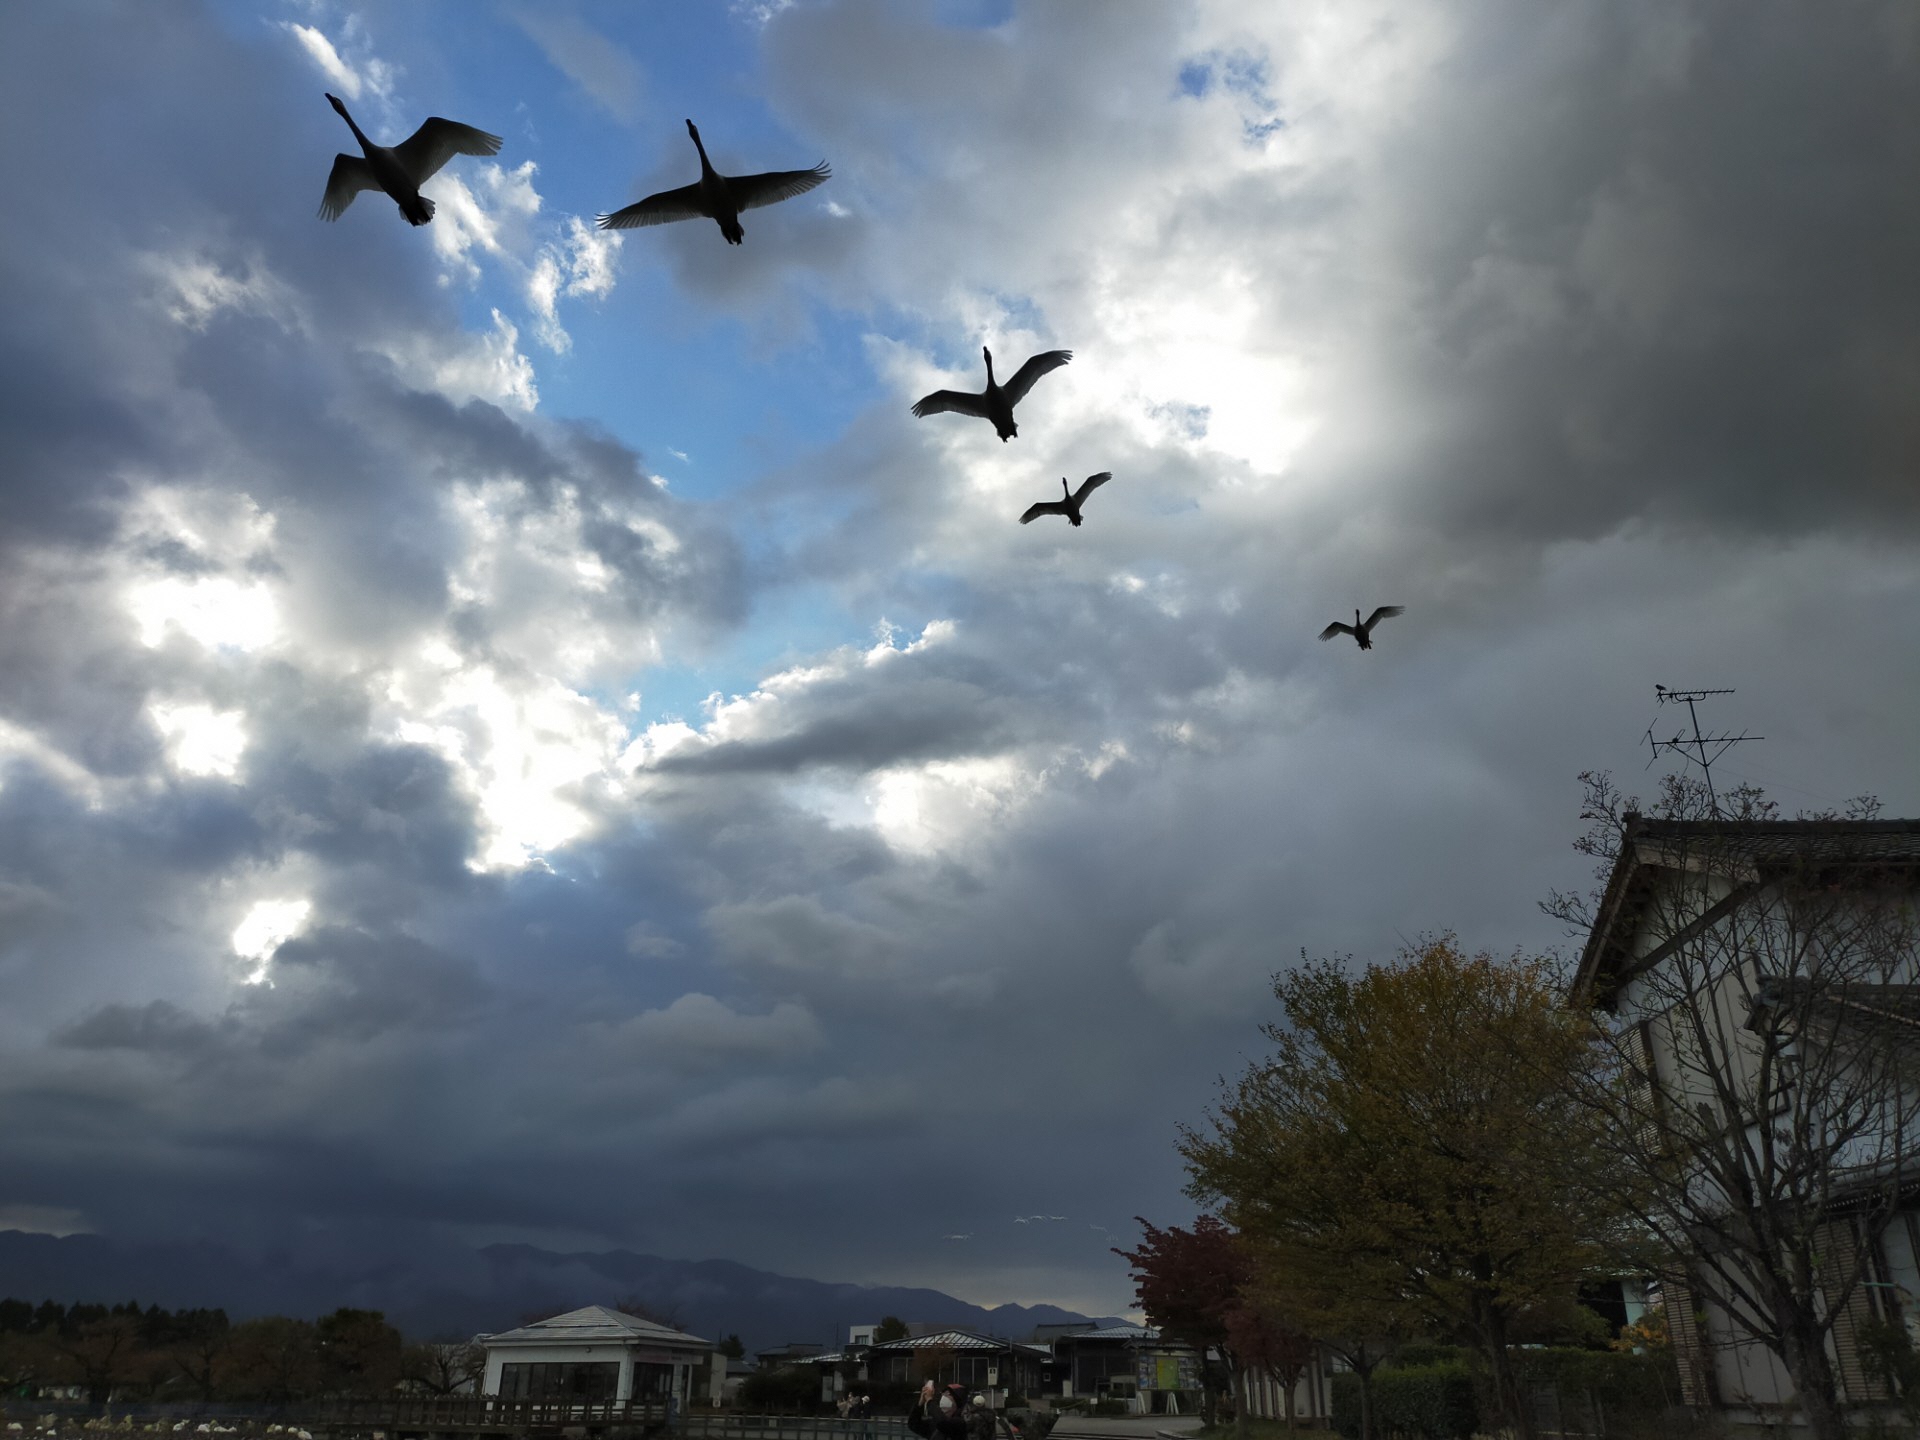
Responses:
[1264,1344]
[1189,1282]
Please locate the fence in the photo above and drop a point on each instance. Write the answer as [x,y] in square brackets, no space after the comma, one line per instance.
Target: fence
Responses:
[458,1415]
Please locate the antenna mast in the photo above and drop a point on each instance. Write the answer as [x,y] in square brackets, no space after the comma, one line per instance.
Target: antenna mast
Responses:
[1694,749]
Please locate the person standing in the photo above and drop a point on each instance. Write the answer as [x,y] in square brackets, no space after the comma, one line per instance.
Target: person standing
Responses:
[938,1416]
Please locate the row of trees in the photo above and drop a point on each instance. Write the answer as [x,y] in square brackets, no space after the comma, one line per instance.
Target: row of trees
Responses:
[1445,1148]
[199,1356]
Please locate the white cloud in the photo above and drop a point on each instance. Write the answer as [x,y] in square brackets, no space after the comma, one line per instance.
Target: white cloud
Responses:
[320,50]
[597,64]
[202,740]
[464,367]
[579,263]
[216,611]
[196,287]
[267,925]
[524,747]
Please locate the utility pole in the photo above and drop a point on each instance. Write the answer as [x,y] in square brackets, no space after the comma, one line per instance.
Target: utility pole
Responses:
[1694,748]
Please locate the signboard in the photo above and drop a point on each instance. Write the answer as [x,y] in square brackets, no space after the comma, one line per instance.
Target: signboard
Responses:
[1160,1371]
[993,1376]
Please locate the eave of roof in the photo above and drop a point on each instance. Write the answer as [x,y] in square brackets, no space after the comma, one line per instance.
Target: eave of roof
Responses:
[956,1340]
[1738,848]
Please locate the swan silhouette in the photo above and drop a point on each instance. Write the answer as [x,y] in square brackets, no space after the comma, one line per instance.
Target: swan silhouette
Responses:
[1362,630]
[716,197]
[401,169]
[1067,505]
[997,403]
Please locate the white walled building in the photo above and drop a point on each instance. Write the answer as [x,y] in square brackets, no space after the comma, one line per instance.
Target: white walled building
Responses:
[596,1354]
[1678,892]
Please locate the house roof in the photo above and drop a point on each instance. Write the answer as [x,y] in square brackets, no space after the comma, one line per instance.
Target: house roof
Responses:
[1113,1332]
[1745,851]
[959,1340]
[595,1325]
[1889,1008]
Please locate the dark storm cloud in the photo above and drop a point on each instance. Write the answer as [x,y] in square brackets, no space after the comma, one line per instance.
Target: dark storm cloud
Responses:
[1628,261]
[1523,281]
[203,389]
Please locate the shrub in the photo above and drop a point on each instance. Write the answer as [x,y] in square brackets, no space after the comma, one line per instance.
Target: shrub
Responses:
[1619,1380]
[1432,1402]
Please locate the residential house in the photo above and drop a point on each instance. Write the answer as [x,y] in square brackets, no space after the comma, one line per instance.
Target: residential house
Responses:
[987,1364]
[1134,1365]
[1828,999]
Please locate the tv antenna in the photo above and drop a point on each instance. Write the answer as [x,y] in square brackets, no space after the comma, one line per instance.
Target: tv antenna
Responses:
[1695,749]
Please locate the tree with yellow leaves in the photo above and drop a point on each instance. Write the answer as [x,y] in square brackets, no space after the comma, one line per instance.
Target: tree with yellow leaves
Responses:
[1407,1158]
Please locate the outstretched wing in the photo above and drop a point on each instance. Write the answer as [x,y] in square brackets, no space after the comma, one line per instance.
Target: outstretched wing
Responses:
[1044,507]
[681,204]
[957,402]
[1091,484]
[1338,627]
[1383,613]
[750,192]
[351,174]
[437,141]
[1041,364]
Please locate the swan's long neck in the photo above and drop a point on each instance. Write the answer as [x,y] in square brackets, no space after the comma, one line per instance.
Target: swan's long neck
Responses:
[358,133]
[705,164]
[989,354]
[1063,488]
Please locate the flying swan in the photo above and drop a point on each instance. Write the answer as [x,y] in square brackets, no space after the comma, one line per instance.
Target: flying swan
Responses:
[997,403]
[716,197]
[401,169]
[1069,506]
[1362,630]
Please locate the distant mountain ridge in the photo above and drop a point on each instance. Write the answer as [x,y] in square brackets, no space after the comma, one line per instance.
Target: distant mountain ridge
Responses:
[455,1292]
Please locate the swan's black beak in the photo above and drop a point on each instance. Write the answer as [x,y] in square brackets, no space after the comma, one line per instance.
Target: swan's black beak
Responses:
[334,101]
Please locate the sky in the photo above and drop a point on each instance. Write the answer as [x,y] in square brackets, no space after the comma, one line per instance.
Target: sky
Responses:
[510,731]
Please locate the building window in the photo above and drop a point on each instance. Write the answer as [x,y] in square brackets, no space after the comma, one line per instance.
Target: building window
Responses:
[652,1382]
[564,1381]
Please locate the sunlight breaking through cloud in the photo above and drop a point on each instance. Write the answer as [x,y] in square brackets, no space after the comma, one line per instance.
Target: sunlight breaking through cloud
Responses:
[267,926]
[202,740]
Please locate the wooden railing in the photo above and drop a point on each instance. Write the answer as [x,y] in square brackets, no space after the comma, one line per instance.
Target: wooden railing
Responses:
[491,1415]
[481,1414]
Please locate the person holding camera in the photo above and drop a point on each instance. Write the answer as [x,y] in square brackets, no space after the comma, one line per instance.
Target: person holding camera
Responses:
[939,1415]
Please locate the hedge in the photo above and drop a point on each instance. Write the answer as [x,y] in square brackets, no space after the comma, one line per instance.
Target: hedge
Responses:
[1619,1380]
[1433,1402]
[1431,1392]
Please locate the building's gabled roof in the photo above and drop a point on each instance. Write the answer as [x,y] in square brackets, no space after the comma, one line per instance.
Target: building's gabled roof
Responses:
[1744,851]
[1114,1332]
[595,1325]
[957,1340]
